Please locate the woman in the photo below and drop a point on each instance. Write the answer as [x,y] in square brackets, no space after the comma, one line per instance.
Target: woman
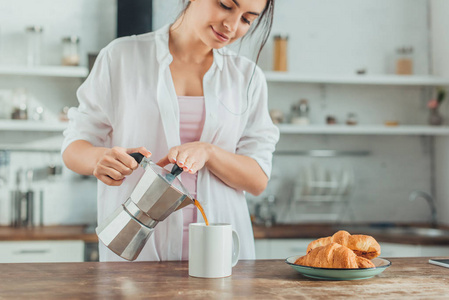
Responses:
[180,94]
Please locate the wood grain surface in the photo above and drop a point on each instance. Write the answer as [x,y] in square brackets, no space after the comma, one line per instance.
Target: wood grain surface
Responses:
[407,278]
[75,232]
[280,231]
[313,231]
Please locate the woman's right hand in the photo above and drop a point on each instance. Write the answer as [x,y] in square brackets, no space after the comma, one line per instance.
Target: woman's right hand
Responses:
[116,163]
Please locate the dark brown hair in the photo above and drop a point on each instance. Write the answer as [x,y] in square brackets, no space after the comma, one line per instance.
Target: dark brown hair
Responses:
[264,21]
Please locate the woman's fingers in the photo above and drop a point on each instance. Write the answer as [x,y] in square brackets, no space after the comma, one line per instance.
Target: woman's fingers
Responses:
[109,181]
[173,156]
[191,157]
[193,168]
[181,159]
[141,150]
[101,170]
[120,162]
[116,163]
[121,155]
[189,162]
[163,162]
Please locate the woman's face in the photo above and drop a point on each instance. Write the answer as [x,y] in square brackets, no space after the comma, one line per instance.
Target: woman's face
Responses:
[221,22]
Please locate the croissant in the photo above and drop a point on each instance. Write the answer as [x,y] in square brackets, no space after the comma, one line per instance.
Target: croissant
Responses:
[334,256]
[362,245]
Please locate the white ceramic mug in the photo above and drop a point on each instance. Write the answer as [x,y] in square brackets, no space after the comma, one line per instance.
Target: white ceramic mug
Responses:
[213,250]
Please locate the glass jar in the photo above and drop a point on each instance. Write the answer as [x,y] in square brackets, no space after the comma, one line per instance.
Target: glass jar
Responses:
[34,45]
[300,113]
[280,53]
[351,119]
[331,120]
[70,51]
[404,61]
[5,104]
[4,171]
[20,105]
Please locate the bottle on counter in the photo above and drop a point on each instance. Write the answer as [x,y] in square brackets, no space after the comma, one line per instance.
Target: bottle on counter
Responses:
[280,53]
[34,45]
[70,51]
[404,61]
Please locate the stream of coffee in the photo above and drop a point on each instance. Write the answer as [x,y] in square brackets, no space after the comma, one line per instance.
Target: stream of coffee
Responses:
[200,208]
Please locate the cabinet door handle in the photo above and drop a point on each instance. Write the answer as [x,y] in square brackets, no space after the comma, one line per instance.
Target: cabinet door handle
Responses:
[32,251]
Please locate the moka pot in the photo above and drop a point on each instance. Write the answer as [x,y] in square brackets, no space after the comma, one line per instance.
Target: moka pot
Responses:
[157,194]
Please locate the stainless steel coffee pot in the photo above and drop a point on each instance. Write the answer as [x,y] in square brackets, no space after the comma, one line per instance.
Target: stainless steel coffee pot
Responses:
[157,194]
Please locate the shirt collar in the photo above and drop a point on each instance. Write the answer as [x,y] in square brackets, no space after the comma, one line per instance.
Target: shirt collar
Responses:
[218,58]
[163,52]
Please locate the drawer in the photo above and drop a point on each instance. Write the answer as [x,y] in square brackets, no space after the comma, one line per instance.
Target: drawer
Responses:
[41,251]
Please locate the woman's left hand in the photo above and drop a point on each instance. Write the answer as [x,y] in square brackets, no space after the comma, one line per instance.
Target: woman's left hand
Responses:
[191,157]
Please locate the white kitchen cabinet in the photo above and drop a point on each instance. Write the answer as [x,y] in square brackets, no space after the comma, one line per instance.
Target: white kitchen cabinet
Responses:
[432,251]
[399,250]
[262,249]
[402,250]
[280,248]
[41,251]
[283,248]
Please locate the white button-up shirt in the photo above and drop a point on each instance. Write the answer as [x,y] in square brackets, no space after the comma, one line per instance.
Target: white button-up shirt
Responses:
[129,100]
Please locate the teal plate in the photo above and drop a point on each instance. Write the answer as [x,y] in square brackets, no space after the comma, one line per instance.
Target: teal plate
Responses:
[339,274]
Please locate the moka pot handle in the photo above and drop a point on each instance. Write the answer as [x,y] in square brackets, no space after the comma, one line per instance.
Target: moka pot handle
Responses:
[175,171]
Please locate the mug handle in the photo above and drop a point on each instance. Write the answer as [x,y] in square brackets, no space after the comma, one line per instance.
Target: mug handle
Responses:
[236,248]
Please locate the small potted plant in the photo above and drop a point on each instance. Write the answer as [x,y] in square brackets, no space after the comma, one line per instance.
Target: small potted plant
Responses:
[435,118]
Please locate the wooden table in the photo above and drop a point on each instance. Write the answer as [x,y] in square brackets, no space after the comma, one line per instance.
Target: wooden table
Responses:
[259,279]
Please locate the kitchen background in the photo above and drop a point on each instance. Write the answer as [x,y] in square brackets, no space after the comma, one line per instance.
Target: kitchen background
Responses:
[341,59]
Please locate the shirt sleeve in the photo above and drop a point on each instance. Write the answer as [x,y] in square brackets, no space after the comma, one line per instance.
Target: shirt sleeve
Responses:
[91,120]
[260,134]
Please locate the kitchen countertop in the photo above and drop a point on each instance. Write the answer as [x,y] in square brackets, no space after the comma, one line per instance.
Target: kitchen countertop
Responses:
[313,231]
[252,279]
[279,231]
[75,232]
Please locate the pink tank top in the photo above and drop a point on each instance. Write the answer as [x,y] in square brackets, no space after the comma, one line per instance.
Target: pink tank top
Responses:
[191,116]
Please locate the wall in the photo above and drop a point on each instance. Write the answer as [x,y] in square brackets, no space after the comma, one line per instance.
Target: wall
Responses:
[335,37]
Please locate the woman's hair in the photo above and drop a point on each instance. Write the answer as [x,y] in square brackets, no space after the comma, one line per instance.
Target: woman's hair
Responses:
[264,21]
